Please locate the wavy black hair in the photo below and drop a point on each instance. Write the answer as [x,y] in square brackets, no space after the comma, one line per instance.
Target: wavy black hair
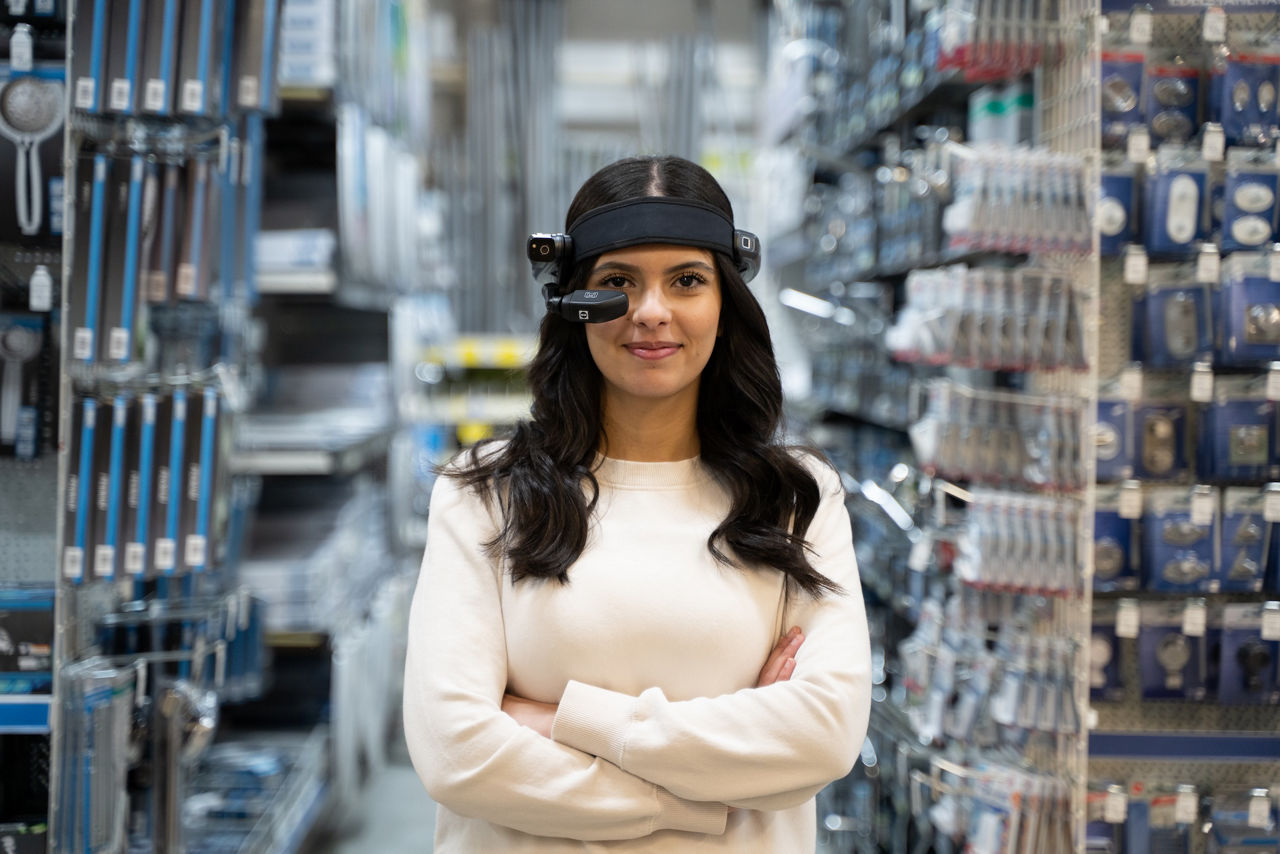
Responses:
[538,475]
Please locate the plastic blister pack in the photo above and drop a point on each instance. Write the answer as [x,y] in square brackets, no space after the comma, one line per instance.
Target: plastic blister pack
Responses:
[1179,536]
[1115,540]
[1237,433]
[1176,207]
[1249,311]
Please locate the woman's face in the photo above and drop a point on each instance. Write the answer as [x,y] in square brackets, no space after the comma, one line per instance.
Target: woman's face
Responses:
[656,352]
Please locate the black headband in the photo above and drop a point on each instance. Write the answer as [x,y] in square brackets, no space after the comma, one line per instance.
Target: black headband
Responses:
[652,219]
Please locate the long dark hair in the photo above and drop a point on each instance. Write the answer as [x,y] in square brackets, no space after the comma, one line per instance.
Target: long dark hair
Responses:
[538,476]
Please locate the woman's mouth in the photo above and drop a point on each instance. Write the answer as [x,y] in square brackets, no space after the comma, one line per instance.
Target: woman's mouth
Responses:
[652,351]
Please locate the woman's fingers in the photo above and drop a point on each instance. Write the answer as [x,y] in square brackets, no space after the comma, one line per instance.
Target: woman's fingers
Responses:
[776,667]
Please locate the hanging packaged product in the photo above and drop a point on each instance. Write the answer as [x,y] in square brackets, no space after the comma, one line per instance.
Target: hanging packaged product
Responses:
[1249,311]
[88,47]
[1122,83]
[1171,663]
[123,318]
[1176,313]
[109,487]
[1171,815]
[1104,655]
[1250,650]
[124,56]
[163,238]
[1171,97]
[1242,820]
[1161,432]
[34,11]
[26,384]
[1246,538]
[31,152]
[1249,199]
[85,300]
[1242,96]
[1175,209]
[200,69]
[1115,538]
[1116,212]
[27,625]
[1114,439]
[257,33]
[1237,432]
[159,73]
[1179,537]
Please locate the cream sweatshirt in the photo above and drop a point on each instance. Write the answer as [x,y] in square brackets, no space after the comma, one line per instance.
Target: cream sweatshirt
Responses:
[651,651]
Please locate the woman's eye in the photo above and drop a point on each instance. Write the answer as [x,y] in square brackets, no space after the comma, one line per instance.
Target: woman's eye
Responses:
[690,280]
[613,282]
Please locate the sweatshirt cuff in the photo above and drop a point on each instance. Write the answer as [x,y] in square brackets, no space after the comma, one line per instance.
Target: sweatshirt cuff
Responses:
[593,720]
[691,816]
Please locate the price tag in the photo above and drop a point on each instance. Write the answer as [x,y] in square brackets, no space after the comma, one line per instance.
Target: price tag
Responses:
[1208,265]
[118,344]
[1214,145]
[1128,619]
[1115,809]
[1260,811]
[104,559]
[1138,146]
[86,88]
[1202,507]
[1273,383]
[1186,808]
[1271,505]
[195,551]
[1194,619]
[1140,27]
[1131,500]
[248,90]
[1273,266]
[921,553]
[153,95]
[193,96]
[186,280]
[1215,25]
[1091,719]
[73,563]
[1270,630]
[40,290]
[135,558]
[1129,384]
[243,611]
[219,663]
[140,684]
[82,344]
[1135,266]
[1201,385]
[119,95]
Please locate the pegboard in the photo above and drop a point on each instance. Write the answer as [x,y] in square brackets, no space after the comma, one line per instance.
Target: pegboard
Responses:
[28,520]
[1115,319]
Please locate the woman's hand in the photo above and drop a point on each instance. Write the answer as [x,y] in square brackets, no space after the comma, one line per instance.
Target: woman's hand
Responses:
[536,716]
[781,662]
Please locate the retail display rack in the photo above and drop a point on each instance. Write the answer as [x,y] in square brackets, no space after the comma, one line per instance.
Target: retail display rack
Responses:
[1053,225]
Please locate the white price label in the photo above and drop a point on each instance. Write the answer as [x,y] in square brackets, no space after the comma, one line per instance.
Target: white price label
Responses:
[104,559]
[1201,386]
[1186,808]
[135,558]
[86,88]
[1273,266]
[82,344]
[186,282]
[1260,811]
[40,290]
[219,663]
[1273,384]
[195,551]
[1270,630]
[921,553]
[1130,502]
[1128,619]
[1208,266]
[1215,25]
[1140,27]
[1271,506]
[248,91]
[1116,807]
[1135,266]
[1214,145]
[192,96]
[1194,619]
[165,554]
[121,91]
[1202,507]
[1129,384]
[1138,146]
[73,563]
[153,95]
[118,344]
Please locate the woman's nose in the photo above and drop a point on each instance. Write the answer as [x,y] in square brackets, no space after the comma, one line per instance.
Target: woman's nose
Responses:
[651,307]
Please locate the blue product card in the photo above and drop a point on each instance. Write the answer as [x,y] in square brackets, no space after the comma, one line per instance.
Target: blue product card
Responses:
[1248,210]
[1114,564]
[1178,552]
[1242,99]
[1160,437]
[1247,668]
[1179,325]
[1245,536]
[1175,214]
[1116,212]
[1104,664]
[1249,318]
[1114,438]
[1236,440]
[1172,665]
[1171,101]
[1121,95]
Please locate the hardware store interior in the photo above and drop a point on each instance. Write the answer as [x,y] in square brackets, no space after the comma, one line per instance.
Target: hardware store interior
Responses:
[265,269]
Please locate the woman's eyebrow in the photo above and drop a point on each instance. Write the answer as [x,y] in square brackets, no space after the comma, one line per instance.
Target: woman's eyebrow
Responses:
[610,266]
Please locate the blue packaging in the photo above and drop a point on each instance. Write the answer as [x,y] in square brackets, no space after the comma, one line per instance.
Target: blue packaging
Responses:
[1247,668]
[1115,565]
[1237,433]
[1179,539]
[1246,537]
[1249,199]
[1104,656]
[1175,209]
[1248,317]
[1178,315]
[1121,95]
[1172,665]
[1114,438]
[1171,99]
[1242,98]
[1116,212]
[1160,440]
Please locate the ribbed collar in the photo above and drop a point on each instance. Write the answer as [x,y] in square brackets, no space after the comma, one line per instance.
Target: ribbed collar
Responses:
[628,474]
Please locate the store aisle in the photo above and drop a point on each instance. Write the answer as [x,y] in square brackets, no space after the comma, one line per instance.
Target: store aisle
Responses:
[399,816]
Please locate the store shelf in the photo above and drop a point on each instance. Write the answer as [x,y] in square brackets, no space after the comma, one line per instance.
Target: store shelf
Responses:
[24,714]
[460,408]
[484,351]
[1212,746]
[308,444]
[299,283]
[297,639]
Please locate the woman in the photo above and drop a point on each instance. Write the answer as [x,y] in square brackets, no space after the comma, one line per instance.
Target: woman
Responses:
[639,625]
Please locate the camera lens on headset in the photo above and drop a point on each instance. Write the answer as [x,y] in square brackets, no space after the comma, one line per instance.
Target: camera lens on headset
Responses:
[544,247]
